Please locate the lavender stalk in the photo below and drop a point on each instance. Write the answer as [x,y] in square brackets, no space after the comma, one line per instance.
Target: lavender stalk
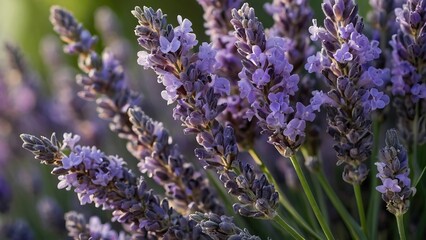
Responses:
[105,181]
[408,76]
[149,142]
[394,173]
[190,81]
[268,84]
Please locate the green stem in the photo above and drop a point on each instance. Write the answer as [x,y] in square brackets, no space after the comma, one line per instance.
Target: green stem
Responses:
[420,177]
[349,221]
[280,221]
[283,198]
[415,164]
[311,198]
[374,202]
[358,197]
[321,199]
[400,222]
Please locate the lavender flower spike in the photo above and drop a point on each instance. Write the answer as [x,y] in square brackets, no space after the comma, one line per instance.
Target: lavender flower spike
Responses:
[394,172]
[269,85]
[344,61]
[220,227]
[79,228]
[190,81]
[188,188]
[105,181]
[408,73]
[149,142]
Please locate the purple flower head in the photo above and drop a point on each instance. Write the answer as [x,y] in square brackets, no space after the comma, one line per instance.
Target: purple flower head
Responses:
[346,31]
[167,46]
[393,171]
[260,77]
[296,127]
[343,54]
[378,100]
[221,86]
[70,140]
[374,77]
[390,185]
[171,84]
[258,57]
[207,58]
[71,161]
[314,30]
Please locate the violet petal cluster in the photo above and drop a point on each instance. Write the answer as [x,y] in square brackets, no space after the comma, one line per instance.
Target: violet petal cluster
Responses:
[217,16]
[344,61]
[188,188]
[221,227]
[78,228]
[149,142]
[408,73]
[190,81]
[105,181]
[394,172]
[266,80]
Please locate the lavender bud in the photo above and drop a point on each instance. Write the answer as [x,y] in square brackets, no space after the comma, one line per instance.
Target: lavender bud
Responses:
[394,172]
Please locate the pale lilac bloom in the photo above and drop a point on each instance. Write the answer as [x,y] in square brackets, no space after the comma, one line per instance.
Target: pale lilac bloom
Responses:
[296,127]
[71,161]
[314,30]
[257,56]
[313,63]
[378,100]
[389,185]
[169,46]
[343,54]
[70,140]
[143,59]
[260,77]
[221,86]
[345,32]
[207,58]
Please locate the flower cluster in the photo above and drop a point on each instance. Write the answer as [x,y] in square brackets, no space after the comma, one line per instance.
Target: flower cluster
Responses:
[408,74]
[79,228]
[249,80]
[344,61]
[190,81]
[105,181]
[148,140]
[217,15]
[221,227]
[394,172]
[268,84]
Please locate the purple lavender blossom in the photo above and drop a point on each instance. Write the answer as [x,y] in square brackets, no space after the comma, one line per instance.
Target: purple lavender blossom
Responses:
[291,21]
[105,181]
[197,107]
[221,227]
[394,173]
[217,16]
[268,83]
[79,228]
[186,188]
[354,90]
[408,84]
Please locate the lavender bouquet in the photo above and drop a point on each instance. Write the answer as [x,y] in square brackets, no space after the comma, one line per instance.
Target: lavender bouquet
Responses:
[274,112]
